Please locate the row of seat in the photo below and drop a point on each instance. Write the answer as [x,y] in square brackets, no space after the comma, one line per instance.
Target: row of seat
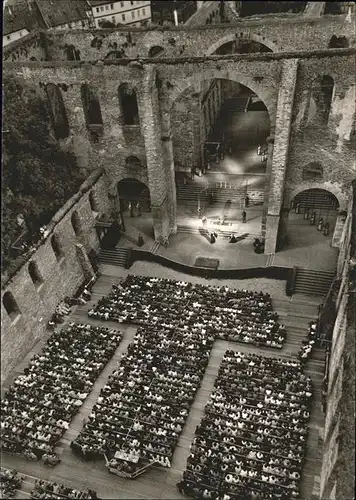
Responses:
[251,440]
[38,407]
[237,315]
[142,409]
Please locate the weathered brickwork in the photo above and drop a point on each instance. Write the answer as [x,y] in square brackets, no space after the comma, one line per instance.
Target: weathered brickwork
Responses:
[280,154]
[272,77]
[279,34]
[338,432]
[182,122]
[331,144]
[60,278]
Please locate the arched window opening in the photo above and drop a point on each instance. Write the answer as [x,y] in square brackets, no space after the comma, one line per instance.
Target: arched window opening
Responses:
[10,305]
[155,51]
[58,111]
[338,42]
[75,220]
[115,54]
[325,97]
[133,162]
[35,274]
[93,202]
[129,106]
[91,106]
[242,46]
[57,247]
[72,53]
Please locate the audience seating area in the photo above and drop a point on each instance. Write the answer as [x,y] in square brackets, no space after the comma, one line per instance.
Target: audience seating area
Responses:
[10,482]
[141,411]
[306,350]
[251,441]
[48,489]
[237,315]
[39,405]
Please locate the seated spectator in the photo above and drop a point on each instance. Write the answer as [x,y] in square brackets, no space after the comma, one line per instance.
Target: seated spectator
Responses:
[307,347]
[10,482]
[251,441]
[50,490]
[39,405]
[141,411]
[238,315]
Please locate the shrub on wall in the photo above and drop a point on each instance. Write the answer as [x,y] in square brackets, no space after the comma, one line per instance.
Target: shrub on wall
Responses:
[38,176]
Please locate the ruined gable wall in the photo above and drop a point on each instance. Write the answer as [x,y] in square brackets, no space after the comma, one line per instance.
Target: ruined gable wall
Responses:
[331,144]
[60,278]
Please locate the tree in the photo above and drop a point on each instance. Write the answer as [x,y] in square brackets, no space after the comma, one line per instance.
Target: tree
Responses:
[38,176]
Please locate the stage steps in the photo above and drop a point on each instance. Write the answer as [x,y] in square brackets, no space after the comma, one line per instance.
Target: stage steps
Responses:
[221,193]
[116,257]
[313,282]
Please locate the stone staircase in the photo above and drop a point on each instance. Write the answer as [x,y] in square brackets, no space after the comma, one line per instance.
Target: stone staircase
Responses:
[155,246]
[116,257]
[221,192]
[312,282]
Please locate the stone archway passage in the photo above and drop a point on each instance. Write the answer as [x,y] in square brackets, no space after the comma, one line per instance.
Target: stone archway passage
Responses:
[133,190]
[315,200]
[299,224]
[220,128]
[135,208]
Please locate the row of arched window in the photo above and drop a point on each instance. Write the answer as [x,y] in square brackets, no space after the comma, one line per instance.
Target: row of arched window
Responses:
[34,272]
[8,299]
[91,106]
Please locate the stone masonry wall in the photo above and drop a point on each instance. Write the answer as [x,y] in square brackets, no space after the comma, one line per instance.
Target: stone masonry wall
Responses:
[60,278]
[182,122]
[330,145]
[279,34]
[259,72]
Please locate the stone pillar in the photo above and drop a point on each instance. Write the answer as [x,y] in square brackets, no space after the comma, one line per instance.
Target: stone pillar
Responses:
[159,179]
[196,111]
[88,270]
[168,163]
[270,142]
[280,151]
[200,4]
[110,111]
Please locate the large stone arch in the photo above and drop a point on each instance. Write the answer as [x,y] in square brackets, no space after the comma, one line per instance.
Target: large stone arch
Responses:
[247,80]
[125,173]
[326,186]
[246,36]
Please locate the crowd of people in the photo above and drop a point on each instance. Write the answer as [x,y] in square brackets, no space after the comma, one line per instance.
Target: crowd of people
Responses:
[39,406]
[251,441]
[308,344]
[142,409]
[237,315]
[49,489]
[10,482]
